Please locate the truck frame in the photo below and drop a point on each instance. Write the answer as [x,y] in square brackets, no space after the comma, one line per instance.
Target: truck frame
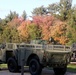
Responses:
[36,56]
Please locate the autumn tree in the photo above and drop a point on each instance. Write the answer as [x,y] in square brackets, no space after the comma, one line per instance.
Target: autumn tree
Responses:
[44,23]
[15,36]
[6,36]
[23,31]
[14,23]
[18,29]
[10,35]
[59,32]
[33,31]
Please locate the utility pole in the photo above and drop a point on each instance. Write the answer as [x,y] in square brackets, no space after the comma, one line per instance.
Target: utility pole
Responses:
[22,62]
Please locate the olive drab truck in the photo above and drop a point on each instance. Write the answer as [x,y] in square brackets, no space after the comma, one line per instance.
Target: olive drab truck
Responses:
[36,56]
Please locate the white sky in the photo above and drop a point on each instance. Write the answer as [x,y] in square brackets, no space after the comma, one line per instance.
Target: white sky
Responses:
[20,6]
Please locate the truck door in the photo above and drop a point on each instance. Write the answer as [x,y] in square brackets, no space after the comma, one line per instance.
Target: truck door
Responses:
[21,55]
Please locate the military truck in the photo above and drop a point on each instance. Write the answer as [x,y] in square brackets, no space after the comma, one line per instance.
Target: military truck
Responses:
[37,56]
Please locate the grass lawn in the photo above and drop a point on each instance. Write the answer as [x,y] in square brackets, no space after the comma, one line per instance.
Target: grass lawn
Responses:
[2,66]
[71,68]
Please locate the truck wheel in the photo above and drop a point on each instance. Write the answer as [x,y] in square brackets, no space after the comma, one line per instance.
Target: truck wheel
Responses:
[60,71]
[34,67]
[12,65]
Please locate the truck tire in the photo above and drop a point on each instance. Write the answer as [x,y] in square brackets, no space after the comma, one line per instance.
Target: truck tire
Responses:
[35,67]
[60,71]
[12,65]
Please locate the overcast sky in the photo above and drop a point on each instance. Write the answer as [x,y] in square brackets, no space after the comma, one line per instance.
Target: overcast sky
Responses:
[20,6]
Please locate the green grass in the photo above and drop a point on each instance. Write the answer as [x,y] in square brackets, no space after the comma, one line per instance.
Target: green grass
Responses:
[71,68]
[3,66]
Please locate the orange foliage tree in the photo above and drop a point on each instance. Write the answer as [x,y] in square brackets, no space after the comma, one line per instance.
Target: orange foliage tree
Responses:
[52,27]
[41,26]
[58,31]
[44,23]
[14,23]
[23,31]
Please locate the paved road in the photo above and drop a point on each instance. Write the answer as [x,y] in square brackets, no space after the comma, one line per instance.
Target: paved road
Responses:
[44,72]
